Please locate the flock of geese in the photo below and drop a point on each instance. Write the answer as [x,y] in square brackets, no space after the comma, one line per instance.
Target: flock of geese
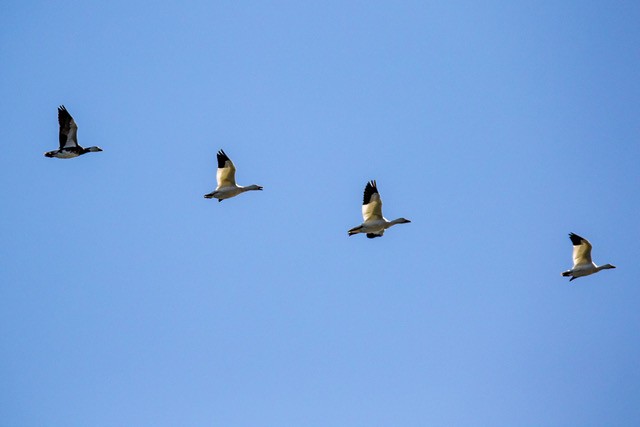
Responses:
[373,225]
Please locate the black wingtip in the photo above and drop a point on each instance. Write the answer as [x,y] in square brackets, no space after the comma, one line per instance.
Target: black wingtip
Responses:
[575,239]
[222,158]
[63,113]
[370,189]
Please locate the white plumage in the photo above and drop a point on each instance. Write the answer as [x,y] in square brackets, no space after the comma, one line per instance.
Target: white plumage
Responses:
[226,178]
[582,263]
[374,223]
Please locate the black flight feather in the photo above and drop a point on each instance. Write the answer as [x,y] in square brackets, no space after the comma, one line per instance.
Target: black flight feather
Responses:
[64,119]
[369,190]
[575,239]
[222,158]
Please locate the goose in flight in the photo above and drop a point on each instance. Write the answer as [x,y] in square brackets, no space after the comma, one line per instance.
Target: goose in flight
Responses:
[374,223]
[226,177]
[582,264]
[69,147]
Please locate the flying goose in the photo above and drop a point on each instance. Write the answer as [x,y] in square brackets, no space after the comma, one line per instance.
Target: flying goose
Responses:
[69,147]
[226,177]
[374,223]
[582,264]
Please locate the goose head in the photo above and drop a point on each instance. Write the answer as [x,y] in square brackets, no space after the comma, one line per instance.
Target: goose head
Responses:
[400,221]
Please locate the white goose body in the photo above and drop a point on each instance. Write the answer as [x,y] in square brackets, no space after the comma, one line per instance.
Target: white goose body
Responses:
[226,178]
[68,137]
[374,223]
[582,263]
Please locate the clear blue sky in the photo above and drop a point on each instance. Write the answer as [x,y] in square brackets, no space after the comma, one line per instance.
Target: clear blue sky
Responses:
[496,127]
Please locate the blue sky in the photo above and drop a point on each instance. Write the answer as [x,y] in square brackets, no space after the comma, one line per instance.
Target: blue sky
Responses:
[496,127]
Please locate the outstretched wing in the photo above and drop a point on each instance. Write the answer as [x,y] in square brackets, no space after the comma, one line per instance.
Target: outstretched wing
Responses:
[371,203]
[226,174]
[68,129]
[581,250]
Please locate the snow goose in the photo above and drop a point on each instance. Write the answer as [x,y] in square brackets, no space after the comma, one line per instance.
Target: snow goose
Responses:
[374,223]
[226,177]
[582,264]
[69,147]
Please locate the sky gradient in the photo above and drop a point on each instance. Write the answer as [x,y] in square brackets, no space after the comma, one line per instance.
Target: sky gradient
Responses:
[129,299]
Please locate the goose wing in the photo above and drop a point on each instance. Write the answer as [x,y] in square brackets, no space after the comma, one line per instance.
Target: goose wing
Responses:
[371,204]
[581,250]
[68,129]
[226,174]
